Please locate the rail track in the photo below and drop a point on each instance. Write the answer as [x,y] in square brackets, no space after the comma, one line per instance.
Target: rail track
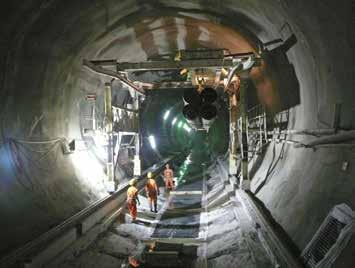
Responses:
[91,221]
[182,224]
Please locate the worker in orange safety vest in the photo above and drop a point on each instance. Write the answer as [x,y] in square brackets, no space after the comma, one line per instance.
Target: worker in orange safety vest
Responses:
[152,191]
[169,178]
[132,198]
[133,262]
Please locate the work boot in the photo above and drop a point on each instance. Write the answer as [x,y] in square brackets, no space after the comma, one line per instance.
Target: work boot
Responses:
[151,208]
[155,208]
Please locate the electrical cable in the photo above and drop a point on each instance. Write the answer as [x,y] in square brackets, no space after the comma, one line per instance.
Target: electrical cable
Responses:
[271,167]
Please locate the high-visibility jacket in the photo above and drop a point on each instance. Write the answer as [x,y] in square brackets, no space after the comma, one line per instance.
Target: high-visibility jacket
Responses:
[132,194]
[168,173]
[169,183]
[151,187]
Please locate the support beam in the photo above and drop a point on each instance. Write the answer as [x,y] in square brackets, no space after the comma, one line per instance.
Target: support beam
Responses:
[109,129]
[167,85]
[125,109]
[233,132]
[163,65]
[244,182]
[137,159]
[98,69]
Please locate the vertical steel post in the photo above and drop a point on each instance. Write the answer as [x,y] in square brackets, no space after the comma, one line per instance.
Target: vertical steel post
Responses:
[244,182]
[94,115]
[261,132]
[234,142]
[108,128]
[137,159]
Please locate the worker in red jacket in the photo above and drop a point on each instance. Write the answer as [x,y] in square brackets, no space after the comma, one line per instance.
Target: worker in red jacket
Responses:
[169,178]
[152,191]
[132,198]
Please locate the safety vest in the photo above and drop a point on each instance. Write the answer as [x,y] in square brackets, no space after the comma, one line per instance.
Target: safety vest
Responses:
[169,183]
[168,173]
[151,186]
[132,193]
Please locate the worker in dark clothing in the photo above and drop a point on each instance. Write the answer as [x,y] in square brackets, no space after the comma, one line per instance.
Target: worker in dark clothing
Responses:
[152,191]
[132,198]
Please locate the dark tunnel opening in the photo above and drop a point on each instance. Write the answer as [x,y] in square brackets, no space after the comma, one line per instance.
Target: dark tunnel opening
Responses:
[298,145]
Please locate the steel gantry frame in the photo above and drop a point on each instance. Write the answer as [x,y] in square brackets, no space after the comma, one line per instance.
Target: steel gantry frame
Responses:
[238,65]
[113,148]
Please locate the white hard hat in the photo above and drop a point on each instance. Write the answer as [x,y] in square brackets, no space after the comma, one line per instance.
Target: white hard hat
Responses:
[133,181]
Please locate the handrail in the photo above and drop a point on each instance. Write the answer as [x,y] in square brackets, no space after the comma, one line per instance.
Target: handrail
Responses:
[31,247]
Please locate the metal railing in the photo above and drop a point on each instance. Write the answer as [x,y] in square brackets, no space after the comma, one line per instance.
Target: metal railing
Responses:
[256,129]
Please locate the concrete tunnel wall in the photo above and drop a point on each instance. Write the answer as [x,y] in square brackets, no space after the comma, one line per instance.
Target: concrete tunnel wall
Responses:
[42,47]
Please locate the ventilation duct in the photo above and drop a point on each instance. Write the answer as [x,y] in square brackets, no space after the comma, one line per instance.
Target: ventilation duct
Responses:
[192,116]
[208,114]
[191,96]
[209,95]
[331,238]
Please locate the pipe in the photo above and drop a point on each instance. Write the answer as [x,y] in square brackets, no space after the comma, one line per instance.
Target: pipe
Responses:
[192,116]
[209,95]
[312,132]
[208,114]
[98,69]
[333,139]
[192,97]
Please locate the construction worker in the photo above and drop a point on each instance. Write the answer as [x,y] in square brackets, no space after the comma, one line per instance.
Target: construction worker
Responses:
[132,198]
[168,178]
[152,191]
[133,262]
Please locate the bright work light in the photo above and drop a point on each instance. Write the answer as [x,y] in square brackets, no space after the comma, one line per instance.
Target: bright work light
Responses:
[152,142]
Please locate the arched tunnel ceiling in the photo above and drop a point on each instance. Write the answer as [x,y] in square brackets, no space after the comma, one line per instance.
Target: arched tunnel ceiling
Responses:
[43,81]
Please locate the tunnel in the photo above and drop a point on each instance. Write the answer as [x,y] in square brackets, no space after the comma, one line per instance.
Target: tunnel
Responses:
[53,162]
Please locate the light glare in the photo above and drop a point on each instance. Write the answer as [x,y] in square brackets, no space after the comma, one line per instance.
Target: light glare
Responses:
[174,121]
[187,128]
[152,142]
[166,115]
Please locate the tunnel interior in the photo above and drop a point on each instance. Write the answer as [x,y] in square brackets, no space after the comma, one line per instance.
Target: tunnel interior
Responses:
[304,82]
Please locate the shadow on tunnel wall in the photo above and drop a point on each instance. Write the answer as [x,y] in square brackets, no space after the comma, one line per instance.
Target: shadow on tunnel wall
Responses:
[283,76]
[285,94]
[276,82]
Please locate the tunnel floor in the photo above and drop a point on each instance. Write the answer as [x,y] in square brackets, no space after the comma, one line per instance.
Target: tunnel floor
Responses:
[199,220]
[181,219]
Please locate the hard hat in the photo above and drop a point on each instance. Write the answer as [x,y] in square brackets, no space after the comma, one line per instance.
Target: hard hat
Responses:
[133,181]
[150,175]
